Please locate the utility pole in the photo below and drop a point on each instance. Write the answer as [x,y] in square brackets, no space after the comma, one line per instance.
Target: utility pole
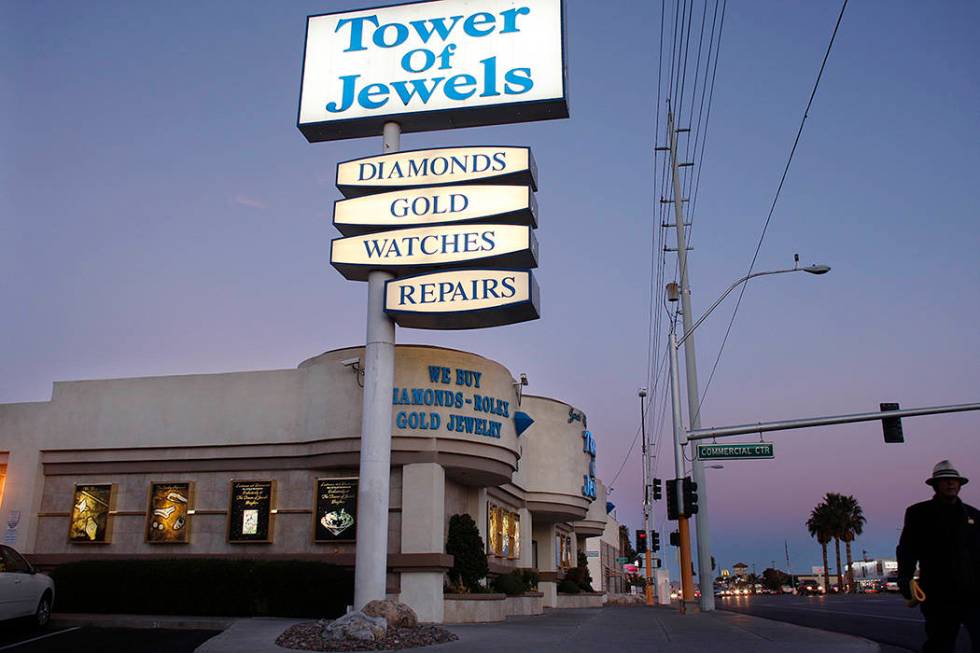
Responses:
[647,504]
[691,375]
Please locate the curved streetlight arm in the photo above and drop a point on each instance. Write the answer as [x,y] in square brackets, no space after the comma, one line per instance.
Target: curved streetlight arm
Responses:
[811,269]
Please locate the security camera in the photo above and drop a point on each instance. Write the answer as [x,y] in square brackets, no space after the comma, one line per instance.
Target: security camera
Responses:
[523,378]
[350,362]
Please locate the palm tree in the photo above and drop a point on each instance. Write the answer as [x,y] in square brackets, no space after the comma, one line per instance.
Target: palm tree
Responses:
[835,521]
[820,527]
[849,522]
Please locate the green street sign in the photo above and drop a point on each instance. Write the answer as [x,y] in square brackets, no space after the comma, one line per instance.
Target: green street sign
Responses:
[739,451]
[622,561]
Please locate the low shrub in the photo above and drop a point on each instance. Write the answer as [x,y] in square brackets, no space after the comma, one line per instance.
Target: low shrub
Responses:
[511,584]
[568,586]
[205,586]
[580,574]
[530,578]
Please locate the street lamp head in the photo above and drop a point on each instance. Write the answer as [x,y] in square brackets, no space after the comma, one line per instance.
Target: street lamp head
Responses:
[643,392]
[817,269]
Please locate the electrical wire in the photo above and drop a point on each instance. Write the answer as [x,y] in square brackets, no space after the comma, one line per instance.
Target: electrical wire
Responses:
[775,199]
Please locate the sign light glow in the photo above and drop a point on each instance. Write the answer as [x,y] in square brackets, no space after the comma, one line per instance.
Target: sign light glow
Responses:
[432,65]
[433,206]
[463,299]
[404,250]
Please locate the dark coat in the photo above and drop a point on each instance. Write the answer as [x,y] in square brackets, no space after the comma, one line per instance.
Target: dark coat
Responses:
[945,540]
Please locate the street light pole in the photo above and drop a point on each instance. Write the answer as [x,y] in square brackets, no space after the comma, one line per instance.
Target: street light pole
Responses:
[648,566]
[681,435]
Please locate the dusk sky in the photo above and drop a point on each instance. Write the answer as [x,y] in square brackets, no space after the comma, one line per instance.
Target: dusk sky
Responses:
[160,214]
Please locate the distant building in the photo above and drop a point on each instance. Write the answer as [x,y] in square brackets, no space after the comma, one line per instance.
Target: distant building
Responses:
[874,569]
[740,568]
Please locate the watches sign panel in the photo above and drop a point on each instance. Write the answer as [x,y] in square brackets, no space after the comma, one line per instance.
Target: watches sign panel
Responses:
[437,167]
[432,65]
[434,206]
[403,250]
[463,299]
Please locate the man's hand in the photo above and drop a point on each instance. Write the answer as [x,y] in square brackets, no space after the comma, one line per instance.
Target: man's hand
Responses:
[904,586]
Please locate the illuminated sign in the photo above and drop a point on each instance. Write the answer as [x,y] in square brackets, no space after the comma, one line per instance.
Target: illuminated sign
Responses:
[169,514]
[405,250]
[462,299]
[432,65]
[437,167]
[335,513]
[250,514]
[588,480]
[435,206]
[91,514]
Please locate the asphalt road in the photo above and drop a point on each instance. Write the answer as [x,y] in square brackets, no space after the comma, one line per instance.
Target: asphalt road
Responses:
[883,618]
[24,639]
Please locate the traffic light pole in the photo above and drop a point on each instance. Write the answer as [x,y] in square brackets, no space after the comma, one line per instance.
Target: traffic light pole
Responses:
[691,376]
[687,580]
[789,424]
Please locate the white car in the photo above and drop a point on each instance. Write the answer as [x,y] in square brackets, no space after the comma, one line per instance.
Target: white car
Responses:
[23,591]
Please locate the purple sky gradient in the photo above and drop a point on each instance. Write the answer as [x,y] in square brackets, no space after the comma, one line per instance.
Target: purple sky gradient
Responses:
[161,214]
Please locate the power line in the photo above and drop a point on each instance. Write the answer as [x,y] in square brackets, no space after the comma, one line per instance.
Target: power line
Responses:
[775,199]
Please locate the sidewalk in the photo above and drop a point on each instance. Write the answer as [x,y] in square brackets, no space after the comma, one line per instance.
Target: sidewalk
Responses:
[558,631]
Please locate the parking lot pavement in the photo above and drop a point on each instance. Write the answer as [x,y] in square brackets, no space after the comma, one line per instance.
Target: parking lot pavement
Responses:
[73,639]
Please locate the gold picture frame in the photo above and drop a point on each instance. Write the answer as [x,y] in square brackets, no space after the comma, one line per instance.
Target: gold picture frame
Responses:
[170,506]
[335,510]
[251,511]
[93,507]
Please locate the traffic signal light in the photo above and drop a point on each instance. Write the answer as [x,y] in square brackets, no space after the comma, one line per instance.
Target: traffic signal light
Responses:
[641,541]
[690,491]
[657,491]
[655,542]
[675,538]
[892,426]
[672,509]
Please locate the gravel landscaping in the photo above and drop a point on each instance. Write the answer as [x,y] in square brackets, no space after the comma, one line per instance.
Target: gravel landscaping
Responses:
[309,637]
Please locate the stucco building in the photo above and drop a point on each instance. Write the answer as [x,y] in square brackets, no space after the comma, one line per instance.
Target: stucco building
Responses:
[265,464]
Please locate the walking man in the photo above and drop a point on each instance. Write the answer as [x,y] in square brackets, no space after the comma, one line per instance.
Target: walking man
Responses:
[942,535]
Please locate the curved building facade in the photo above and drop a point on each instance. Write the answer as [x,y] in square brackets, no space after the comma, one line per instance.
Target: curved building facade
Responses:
[265,464]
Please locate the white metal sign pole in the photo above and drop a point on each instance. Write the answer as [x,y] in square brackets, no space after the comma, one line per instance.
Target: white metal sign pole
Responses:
[370,566]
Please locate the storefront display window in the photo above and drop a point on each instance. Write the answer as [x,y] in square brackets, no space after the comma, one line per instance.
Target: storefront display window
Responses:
[503,527]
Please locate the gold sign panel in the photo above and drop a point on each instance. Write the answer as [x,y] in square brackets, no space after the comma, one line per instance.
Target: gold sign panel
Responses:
[434,206]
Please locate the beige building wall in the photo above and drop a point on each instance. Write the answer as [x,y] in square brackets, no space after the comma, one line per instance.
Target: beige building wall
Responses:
[454,449]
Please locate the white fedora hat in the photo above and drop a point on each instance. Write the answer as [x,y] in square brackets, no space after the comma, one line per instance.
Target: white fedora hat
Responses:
[945,469]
